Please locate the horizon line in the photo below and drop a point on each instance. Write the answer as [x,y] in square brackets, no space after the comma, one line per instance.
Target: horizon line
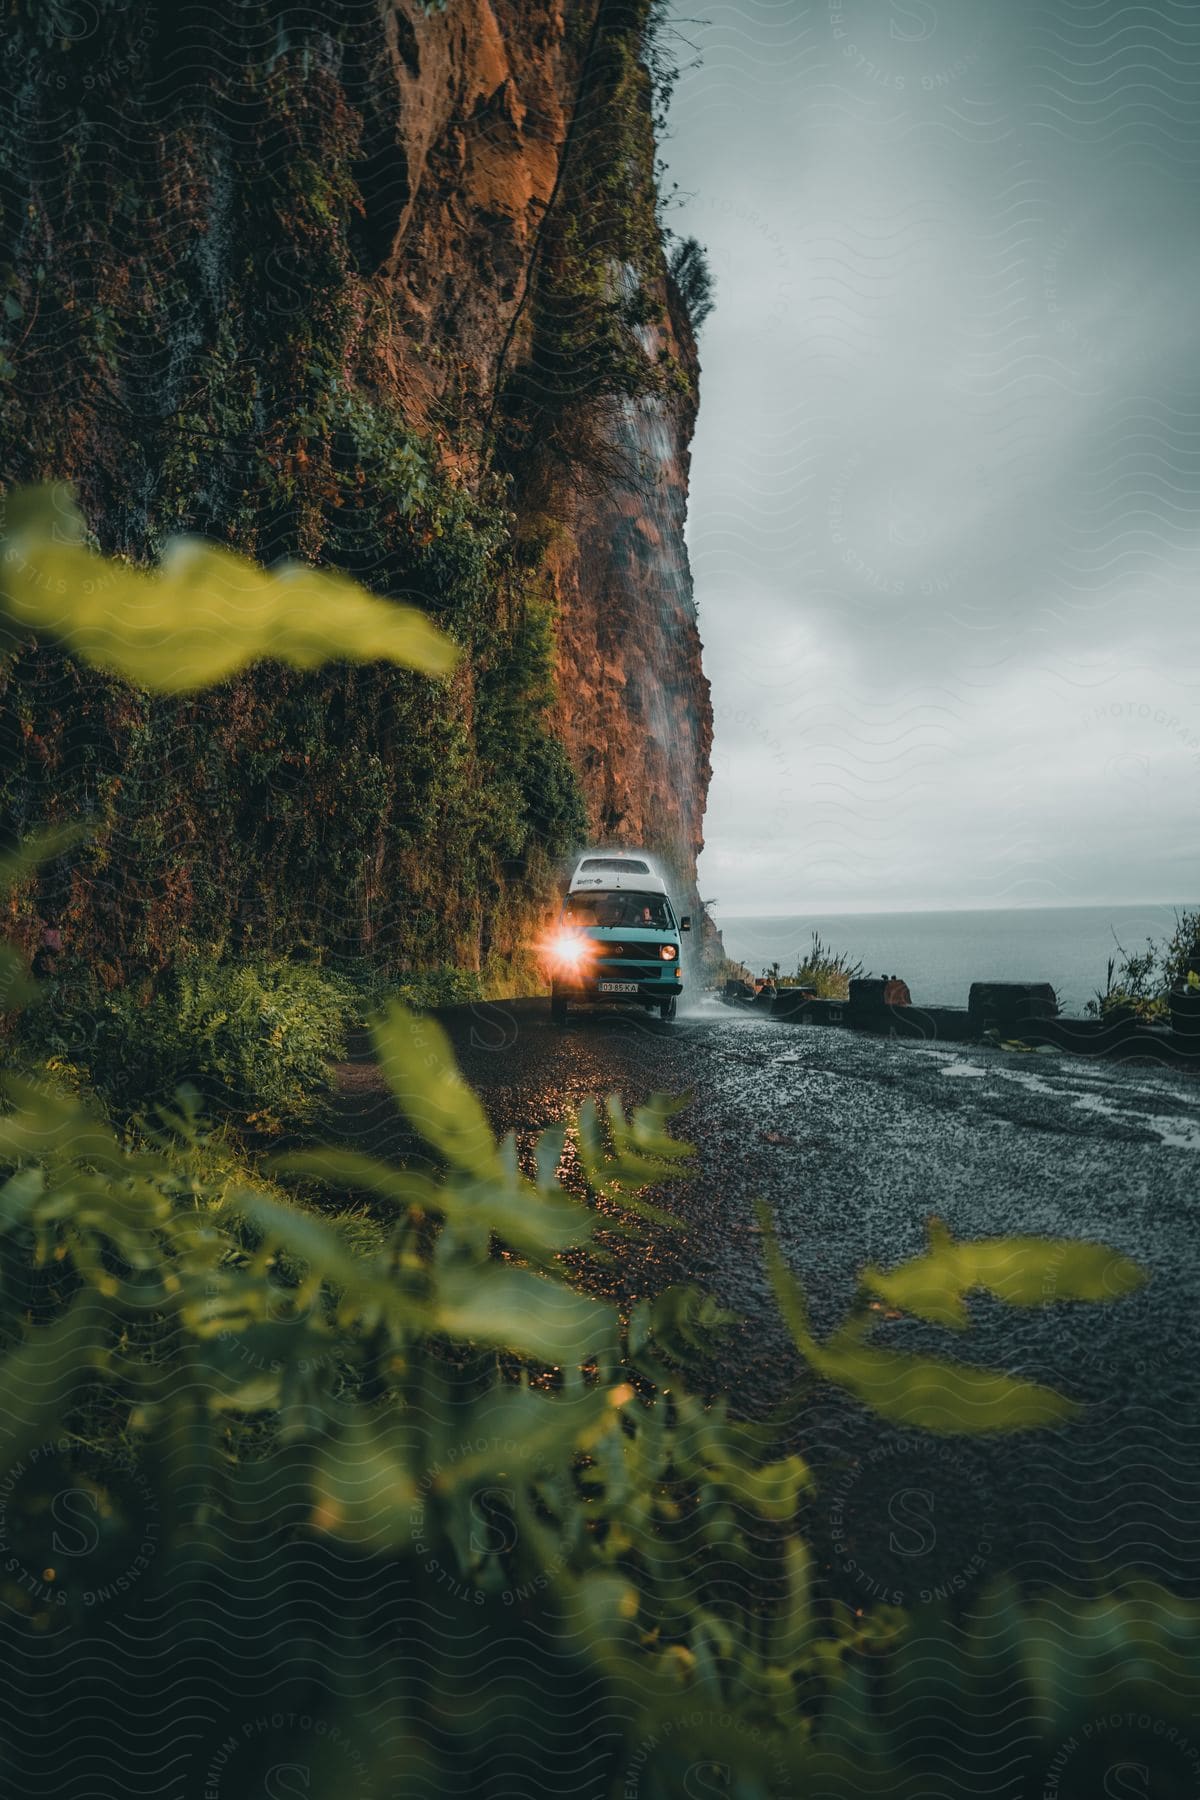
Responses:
[858,910]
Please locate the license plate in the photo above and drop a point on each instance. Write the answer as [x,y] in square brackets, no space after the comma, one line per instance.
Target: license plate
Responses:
[618,987]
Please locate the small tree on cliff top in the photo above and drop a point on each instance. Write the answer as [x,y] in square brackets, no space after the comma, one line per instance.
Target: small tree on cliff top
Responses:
[693,279]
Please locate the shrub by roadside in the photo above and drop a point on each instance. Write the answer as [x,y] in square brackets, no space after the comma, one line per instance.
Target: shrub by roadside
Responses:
[501,978]
[255,1039]
[1139,983]
[827,972]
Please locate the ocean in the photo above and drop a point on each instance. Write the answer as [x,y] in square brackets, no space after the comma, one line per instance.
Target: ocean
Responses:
[940,954]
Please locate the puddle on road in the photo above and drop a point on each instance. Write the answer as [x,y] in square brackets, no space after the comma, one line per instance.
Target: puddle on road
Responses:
[1033,1084]
[1172,1131]
[1175,1133]
[961,1068]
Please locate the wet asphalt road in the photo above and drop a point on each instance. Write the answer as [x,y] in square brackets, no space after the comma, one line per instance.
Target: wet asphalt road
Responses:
[853,1141]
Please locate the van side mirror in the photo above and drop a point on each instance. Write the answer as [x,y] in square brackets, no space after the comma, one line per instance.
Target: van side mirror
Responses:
[685,924]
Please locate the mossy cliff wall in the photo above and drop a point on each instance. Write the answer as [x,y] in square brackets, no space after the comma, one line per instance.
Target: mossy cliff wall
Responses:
[380,286]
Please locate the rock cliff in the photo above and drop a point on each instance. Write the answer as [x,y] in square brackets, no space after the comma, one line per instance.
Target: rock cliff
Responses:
[485,98]
[381,286]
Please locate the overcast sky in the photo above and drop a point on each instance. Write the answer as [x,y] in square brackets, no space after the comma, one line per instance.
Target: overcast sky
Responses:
[945,505]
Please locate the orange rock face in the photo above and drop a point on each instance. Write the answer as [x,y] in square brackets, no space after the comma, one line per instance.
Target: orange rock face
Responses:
[484,102]
[470,124]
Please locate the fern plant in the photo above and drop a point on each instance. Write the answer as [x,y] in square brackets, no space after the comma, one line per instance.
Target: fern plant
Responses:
[256,1039]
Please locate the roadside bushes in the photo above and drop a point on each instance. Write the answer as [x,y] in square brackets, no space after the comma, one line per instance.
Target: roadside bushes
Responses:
[255,1039]
[829,972]
[437,987]
[1140,982]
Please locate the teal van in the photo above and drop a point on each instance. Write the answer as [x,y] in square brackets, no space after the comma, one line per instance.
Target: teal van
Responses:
[618,940]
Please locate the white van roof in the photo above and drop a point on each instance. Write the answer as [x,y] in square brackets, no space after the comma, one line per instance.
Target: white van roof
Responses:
[609,881]
[615,869]
[595,860]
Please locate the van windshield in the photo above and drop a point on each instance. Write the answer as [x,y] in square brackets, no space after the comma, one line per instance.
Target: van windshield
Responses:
[626,911]
[623,865]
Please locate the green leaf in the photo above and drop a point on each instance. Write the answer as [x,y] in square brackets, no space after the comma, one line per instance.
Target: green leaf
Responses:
[419,1067]
[772,1491]
[364,1489]
[363,1174]
[789,1295]
[40,847]
[642,1153]
[540,1224]
[48,1125]
[526,1219]
[20,1194]
[41,1378]
[1022,1271]
[310,1240]
[256,1393]
[926,1392]
[679,1320]
[792,1623]
[47,507]
[917,1391]
[201,616]
[550,1146]
[517,1431]
[17,988]
[514,1309]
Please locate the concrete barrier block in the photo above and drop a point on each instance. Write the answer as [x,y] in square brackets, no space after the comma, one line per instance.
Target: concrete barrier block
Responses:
[952,1024]
[879,990]
[1006,1006]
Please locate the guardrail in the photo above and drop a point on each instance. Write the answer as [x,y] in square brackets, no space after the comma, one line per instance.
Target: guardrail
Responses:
[1004,1012]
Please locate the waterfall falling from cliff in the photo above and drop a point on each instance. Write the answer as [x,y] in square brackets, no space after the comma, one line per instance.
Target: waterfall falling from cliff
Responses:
[647,435]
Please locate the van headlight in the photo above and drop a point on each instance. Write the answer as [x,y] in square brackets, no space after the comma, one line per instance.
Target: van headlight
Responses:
[668,952]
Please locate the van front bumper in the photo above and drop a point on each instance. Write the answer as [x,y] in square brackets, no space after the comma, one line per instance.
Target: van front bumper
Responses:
[615,985]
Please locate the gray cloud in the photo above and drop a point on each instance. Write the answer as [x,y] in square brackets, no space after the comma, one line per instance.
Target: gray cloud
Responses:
[946,484]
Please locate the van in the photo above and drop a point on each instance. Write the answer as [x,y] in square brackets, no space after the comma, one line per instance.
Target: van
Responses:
[618,941]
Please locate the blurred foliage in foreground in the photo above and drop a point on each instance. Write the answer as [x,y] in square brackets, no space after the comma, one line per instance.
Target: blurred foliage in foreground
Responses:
[328,1478]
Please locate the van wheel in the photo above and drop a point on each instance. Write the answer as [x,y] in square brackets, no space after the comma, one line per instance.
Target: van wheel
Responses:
[667,1007]
[558,1008]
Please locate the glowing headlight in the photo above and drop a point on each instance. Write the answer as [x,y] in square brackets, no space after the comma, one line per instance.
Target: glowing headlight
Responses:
[568,950]
[668,952]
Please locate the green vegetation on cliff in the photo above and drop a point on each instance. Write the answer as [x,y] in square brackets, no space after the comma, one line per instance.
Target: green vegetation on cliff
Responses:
[599,279]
